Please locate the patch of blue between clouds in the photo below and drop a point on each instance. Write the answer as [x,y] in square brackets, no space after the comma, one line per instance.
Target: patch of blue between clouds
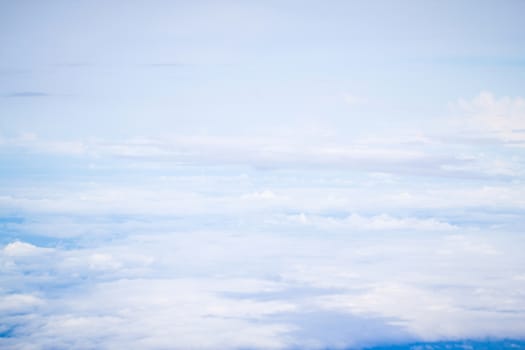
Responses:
[467,344]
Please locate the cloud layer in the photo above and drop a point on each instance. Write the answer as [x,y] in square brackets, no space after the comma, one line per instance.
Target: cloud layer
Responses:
[262,175]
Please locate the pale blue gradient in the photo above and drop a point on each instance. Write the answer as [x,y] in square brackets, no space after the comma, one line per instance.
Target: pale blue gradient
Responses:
[262,174]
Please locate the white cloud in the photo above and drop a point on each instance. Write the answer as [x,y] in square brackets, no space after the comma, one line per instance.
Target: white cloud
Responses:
[199,178]
[289,151]
[21,249]
[458,150]
[217,289]
[197,249]
[234,192]
[490,116]
[17,303]
[432,315]
[377,222]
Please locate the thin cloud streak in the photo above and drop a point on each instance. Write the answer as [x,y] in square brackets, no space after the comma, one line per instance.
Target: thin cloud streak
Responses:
[28,94]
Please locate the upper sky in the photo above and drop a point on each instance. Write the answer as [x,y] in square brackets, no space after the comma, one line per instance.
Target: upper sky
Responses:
[261,174]
[128,68]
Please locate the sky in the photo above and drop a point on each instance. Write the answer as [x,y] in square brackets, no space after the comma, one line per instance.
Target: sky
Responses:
[280,175]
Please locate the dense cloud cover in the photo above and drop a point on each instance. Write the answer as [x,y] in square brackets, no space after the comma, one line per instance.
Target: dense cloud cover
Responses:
[262,175]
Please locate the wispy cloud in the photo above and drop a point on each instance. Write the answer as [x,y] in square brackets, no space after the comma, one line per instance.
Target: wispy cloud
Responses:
[73,64]
[29,94]
[169,65]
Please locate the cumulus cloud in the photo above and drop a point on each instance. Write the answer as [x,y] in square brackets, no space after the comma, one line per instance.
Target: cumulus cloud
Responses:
[432,314]
[490,116]
[159,314]
[22,249]
[267,242]
[216,289]
[217,181]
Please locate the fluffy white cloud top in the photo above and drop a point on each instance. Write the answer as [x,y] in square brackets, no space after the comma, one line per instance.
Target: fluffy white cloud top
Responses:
[210,290]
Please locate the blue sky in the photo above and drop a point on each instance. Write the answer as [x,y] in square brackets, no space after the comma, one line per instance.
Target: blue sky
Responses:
[262,174]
